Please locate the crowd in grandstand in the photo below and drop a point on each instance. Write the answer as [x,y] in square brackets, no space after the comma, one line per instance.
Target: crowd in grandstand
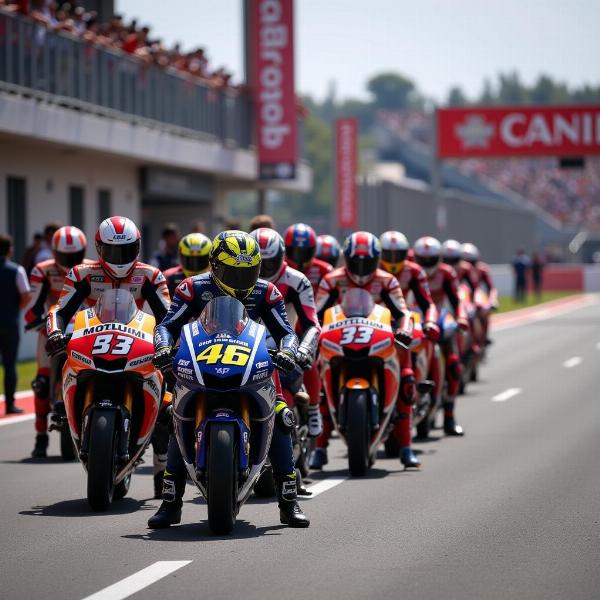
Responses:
[569,195]
[130,38]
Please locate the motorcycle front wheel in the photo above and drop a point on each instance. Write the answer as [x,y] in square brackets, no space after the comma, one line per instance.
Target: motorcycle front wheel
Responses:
[222,478]
[357,432]
[101,460]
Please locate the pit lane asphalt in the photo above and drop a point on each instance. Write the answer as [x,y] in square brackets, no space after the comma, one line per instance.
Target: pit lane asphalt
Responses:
[512,510]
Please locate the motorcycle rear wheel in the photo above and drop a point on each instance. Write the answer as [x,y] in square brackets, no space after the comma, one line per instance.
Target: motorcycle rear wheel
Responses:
[101,461]
[222,478]
[358,432]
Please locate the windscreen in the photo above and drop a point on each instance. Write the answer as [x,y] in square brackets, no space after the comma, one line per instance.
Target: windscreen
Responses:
[357,303]
[224,314]
[115,306]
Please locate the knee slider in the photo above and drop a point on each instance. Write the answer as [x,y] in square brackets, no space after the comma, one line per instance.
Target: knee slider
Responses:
[454,367]
[41,386]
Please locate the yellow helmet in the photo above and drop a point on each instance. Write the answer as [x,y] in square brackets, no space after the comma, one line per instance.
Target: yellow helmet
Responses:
[194,250]
[235,263]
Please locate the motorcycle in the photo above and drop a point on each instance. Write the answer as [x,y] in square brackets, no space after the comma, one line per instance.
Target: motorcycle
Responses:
[112,392]
[467,339]
[361,374]
[223,406]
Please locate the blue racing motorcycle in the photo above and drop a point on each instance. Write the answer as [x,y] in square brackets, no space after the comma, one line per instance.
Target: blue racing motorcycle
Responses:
[223,406]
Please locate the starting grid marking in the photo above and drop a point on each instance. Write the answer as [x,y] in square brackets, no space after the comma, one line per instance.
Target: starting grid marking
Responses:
[507,394]
[572,362]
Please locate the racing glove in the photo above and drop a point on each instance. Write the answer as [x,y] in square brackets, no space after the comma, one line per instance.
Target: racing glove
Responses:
[304,357]
[284,361]
[431,331]
[162,359]
[56,343]
[404,337]
[285,419]
[315,421]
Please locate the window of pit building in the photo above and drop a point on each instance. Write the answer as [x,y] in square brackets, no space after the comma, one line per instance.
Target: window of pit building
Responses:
[76,206]
[104,202]
[16,194]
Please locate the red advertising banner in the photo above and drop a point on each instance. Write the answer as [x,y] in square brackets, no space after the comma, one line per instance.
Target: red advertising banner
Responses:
[346,145]
[518,131]
[272,77]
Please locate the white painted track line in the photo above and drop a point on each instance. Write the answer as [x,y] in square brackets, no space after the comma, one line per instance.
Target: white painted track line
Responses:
[323,486]
[572,362]
[16,419]
[506,394]
[598,346]
[138,581]
[19,395]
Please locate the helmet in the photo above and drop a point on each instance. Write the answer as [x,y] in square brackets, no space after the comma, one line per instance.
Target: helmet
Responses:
[394,248]
[194,249]
[300,245]
[272,252]
[68,247]
[235,263]
[470,252]
[361,253]
[328,249]
[452,252]
[118,246]
[428,253]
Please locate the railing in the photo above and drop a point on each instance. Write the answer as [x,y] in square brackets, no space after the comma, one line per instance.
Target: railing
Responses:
[86,76]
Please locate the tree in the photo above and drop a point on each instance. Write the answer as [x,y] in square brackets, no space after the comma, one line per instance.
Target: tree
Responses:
[487,96]
[511,90]
[392,91]
[456,97]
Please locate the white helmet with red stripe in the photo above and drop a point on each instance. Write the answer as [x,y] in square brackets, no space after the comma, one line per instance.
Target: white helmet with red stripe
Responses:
[68,247]
[272,252]
[470,252]
[452,252]
[118,246]
[428,253]
[361,254]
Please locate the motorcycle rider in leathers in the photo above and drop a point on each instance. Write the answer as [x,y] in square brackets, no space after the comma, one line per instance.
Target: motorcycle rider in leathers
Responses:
[47,280]
[194,249]
[118,247]
[412,279]
[362,252]
[235,266]
[300,305]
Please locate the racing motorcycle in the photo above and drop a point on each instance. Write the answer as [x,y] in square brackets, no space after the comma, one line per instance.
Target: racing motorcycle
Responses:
[223,406]
[467,339]
[112,392]
[361,374]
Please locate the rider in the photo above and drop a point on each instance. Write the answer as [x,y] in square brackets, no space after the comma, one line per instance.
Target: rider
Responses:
[482,277]
[452,254]
[412,278]
[443,283]
[328,250]
[362,251]
[194,249]
[47,277]
[300,302]
[235,267]
[300,249]
[118,247]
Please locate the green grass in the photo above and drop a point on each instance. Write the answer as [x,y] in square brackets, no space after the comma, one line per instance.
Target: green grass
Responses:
[507,303]
[25,373]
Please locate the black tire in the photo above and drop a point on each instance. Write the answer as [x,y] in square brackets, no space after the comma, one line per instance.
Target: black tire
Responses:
[122,488]
[474,373]
[222,478]
[392,449]
[358,432]
[424,427]
[101,461]
[67,447]
[265,484]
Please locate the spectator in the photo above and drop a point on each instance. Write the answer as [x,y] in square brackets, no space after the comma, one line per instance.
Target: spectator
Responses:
[31,252]
[261,221]
[537,271]
[166,256]
[521,265]
[45,251]
[15,296]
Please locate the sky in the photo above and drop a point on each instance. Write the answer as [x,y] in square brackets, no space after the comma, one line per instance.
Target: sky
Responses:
[437,43]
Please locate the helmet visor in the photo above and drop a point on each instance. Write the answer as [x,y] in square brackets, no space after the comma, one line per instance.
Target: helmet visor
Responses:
[362,266]
[269,267]
[393,256]
[119,254]
[194,264]
[300,256]
[427,261]
[68,260]
[452,260]
[235,277]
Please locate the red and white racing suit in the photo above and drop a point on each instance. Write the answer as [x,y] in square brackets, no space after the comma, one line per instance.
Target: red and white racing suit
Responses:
[385,289]
[46,280]
[482,277]
[315,271]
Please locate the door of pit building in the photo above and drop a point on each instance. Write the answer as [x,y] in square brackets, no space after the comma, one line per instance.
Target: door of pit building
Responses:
[169,196]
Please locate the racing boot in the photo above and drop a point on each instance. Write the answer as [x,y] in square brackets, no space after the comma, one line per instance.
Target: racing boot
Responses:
[318,459]
[158,484]
[169,512]
[290,513]
[451,427]
[41,445]
[409,459]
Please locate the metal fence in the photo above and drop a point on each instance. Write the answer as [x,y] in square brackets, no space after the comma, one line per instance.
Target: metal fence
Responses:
[84,75]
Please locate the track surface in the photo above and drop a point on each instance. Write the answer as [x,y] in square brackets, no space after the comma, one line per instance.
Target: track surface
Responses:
[510,511]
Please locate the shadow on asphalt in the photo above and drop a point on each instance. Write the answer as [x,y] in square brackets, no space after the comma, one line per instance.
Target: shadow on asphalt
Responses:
[199,532]
[38,461]
[80,508]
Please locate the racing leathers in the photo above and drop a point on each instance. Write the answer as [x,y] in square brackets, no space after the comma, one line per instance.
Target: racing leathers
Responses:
[174,277]
[315,271]
[265,303]
[385,289]
[300,305]
[482,277]
[85,283]
[443,284]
